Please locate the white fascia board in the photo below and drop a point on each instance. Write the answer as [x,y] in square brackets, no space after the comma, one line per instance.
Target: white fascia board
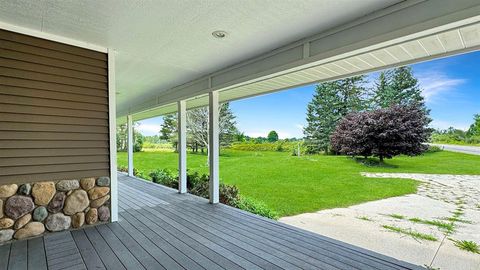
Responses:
[52,37]
[398,23]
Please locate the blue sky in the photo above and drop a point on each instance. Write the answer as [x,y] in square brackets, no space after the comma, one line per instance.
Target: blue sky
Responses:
[451,87]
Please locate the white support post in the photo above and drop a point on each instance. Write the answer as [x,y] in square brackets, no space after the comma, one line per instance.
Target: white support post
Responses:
[182,146]
[213,147]
[112,116]
[130,144]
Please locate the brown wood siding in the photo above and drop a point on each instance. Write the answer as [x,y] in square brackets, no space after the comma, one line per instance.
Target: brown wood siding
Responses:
[53,110]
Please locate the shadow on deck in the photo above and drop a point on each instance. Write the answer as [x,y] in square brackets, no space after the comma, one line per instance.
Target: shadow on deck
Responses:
[161,229]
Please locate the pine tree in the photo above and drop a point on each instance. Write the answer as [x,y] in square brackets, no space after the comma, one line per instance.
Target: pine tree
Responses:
[398,87]
[168,127]
[330,103]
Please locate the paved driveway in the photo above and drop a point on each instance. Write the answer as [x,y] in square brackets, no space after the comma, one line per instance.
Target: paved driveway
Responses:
[440,198]
[474,150]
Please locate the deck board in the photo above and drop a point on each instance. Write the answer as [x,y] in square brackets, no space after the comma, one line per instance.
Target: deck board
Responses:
[161,229]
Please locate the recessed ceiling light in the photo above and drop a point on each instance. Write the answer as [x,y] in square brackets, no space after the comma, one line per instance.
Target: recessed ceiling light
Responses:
[219,34]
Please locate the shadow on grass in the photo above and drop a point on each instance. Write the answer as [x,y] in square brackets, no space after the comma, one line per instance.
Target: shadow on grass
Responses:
[373,162]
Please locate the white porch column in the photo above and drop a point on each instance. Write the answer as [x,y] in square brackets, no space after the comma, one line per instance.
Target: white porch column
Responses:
[112,115]
[130,144]
[182,146]
[213,146]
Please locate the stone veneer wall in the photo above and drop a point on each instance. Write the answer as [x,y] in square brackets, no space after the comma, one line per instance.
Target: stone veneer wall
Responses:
[31,209]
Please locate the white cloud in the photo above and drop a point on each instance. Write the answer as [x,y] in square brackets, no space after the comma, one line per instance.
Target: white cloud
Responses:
[148,129]
[435,83]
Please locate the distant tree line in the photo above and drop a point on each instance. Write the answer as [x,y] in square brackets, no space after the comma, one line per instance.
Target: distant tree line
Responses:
[458,136]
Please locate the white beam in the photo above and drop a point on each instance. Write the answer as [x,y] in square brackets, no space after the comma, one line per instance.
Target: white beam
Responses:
[130,144]
[182,146]
[113,139]
[213,147]
[404,21]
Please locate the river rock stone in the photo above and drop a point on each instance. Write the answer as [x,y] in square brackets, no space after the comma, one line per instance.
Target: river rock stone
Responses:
[40,213]
[56,204]
[87,183]
[103,181]
[76,202]
[43,192]
[6,223]
[8,190]
[22,221]
[24,189]
[1,208]
[67,185]
[103,213]
[57,222]
[30,230]
[17,206]
[92,216]
[98,192]
[6,235]
[99,202]
[78,220]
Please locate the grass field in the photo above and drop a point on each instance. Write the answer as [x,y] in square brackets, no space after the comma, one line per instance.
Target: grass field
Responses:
[292,185]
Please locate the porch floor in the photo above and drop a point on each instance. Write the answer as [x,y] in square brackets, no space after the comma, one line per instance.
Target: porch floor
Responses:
[161,229]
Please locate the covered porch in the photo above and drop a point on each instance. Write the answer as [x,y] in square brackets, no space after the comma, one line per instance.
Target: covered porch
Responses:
[159,228]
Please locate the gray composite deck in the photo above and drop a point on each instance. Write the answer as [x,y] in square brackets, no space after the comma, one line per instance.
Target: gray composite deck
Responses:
[160,229]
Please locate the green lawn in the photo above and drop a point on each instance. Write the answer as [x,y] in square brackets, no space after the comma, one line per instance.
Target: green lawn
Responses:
[292,185]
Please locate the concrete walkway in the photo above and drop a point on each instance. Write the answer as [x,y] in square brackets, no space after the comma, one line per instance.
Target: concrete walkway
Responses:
[439,197]
[474,150]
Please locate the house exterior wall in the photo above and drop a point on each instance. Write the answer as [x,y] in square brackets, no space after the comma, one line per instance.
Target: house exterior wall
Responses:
[54,126]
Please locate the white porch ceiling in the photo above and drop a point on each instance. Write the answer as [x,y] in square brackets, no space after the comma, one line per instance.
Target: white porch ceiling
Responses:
[442,44]
[162,44]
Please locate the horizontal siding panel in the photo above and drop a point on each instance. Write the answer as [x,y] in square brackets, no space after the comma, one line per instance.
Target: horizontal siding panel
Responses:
[33,101]
[53,110]
[36,93]
[8,126]
[35,169]
[52,152]
[26,161]
[50,136]
[10,45]
[19,82]
[22,144]
[22,65]
[48,44]
[42,60]
[22,178]
[23,109]
[36,76]
[32,118]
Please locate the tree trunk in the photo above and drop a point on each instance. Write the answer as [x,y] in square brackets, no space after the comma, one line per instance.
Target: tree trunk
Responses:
[381,159]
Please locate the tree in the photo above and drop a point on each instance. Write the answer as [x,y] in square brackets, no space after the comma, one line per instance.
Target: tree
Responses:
[272,136]
[122,140]
[330,103]
[398,86]
[474,129]
[168,129]
[383,133]
[197,126]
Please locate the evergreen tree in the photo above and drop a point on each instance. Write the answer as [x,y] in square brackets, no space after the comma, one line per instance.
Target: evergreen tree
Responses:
[169,127]
[474,129]
[398,87]
[330,103]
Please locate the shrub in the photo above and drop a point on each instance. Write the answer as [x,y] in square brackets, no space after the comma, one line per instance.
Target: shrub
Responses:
[279,146]
[433,149]
[164,177]
[256,207]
